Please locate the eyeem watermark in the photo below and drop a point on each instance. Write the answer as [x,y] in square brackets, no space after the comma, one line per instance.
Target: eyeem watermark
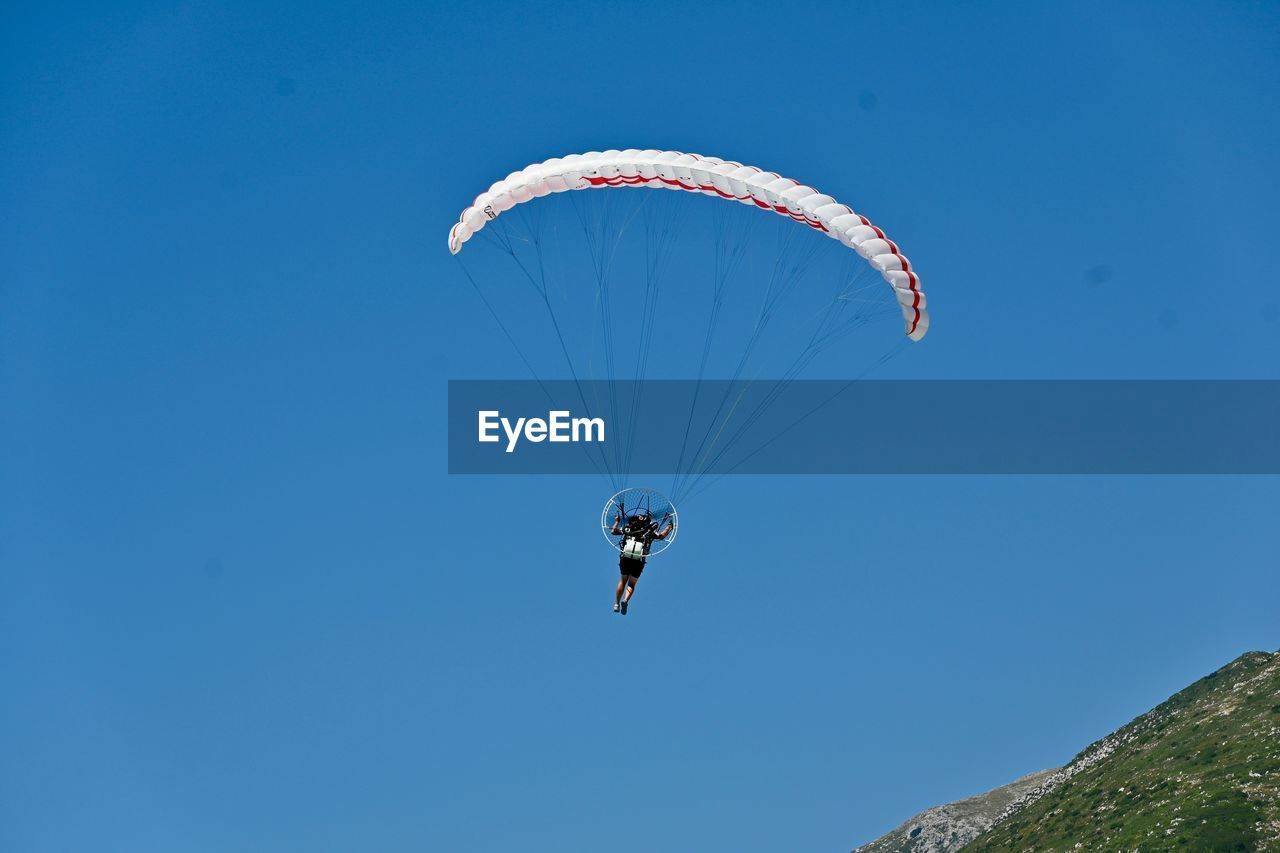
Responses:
[866,427]
[558,426]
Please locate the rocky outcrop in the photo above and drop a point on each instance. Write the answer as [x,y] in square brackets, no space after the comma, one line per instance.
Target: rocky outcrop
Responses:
[949,827]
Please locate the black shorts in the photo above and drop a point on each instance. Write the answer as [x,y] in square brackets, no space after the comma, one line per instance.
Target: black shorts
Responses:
[630,566]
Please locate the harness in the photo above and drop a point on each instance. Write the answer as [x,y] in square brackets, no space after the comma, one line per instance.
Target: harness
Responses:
[637,536]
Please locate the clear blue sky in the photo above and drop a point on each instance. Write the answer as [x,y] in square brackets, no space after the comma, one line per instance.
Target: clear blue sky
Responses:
[243,607]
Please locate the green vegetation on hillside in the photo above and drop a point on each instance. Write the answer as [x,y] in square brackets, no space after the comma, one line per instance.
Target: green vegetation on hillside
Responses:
[1200,772]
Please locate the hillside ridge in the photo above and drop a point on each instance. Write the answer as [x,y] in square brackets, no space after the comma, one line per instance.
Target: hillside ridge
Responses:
[1199,771]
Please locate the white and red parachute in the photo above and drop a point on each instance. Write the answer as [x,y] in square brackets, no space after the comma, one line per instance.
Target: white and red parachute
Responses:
[710,176]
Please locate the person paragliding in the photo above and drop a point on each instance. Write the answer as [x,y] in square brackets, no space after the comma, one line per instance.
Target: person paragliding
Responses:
[638,534]
[825,294]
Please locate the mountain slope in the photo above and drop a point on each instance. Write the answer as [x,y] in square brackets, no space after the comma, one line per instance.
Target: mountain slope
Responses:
[1201,771]
[947,827]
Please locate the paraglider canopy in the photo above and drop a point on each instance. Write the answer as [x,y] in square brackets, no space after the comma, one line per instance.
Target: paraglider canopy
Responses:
[713,176]
[774,286]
